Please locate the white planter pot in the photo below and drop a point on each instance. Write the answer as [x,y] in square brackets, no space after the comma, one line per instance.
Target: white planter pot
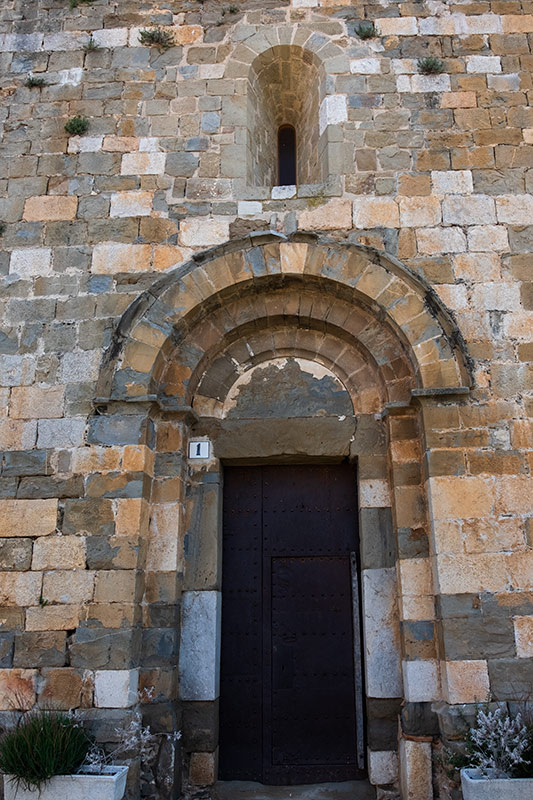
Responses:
[89,784]
[477,786]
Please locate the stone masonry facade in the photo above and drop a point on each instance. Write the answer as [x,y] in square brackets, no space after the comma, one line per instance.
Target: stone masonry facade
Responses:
[150,263]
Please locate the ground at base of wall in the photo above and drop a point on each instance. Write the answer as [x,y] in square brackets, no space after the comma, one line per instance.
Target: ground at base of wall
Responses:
[248,790]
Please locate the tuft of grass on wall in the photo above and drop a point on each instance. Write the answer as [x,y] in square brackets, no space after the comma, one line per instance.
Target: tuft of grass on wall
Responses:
[430,65]
[366,30]
[156,37]
[3,227]
[90,45]
[77,126]
[32,82]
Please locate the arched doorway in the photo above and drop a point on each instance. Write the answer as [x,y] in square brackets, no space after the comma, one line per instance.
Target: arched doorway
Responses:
[188,349]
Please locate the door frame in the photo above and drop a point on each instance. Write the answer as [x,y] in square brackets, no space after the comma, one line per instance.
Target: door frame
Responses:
[237,444]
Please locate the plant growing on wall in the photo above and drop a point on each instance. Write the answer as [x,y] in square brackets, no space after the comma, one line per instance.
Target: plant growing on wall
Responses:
[156,37]
[32,81]
[430,65]
[77,126]
[366,30]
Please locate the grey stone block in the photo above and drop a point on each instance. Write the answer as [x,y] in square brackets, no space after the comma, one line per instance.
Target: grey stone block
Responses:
[200,726]
[40,649]
[6,650]
[511,678]
[24,462]
[89,515]
[116,429]
[182,165]
[100,554]
[50,486]
[116,484]
[419,719]
[378,544]
[160,647]
[15,554]
[104,648]
[412,543]
[382,723]
[478,637]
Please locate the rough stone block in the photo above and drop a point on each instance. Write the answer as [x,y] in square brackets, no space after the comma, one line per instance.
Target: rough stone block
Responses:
[143,164]
[27,517]
[381,633]
[34,402]
[40,649]
[61,432]
[199,661]
[334,214]
[131,204]
[63,688]
[523,631]
[15,554]
[416,779]
[421,681]
[203,232]
[375,212]
[116,688]
[102,648]
[17,689]
[6,649]
[31,262]
[50,208]
[59,552]
[382,767]
[68,586]
[466,681]
[52,618]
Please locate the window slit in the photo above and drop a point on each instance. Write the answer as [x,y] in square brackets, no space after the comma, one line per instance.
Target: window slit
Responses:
[286,155]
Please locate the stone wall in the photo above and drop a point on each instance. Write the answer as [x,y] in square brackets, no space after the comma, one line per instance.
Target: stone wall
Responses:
[434,171]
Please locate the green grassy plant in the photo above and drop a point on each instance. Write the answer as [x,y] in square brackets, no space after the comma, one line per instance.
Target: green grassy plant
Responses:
[32,81]
[44,744]
[430,65]
[77,126]
[366,30]
[90,45]
[156,37]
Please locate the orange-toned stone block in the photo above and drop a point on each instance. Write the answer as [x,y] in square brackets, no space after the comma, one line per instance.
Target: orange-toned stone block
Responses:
[110,258]
[34,402]
[16,434]
[120,144]
[27,517]
[514,494]
[523,634]
[466,681]
[460,497]
[415,576]
[20,588]
[375,212]
[169,257]
[517,23]
[187,34]
[336,214]
[115,586]
[50,208]
[17,689]
[85,460]
[52,618]
[62,688]
[128,516]
[458,100]
[59,552]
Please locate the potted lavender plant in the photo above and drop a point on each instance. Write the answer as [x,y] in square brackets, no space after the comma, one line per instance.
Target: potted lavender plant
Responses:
[498,759]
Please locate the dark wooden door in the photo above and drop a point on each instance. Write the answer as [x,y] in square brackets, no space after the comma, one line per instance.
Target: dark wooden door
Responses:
[287,705]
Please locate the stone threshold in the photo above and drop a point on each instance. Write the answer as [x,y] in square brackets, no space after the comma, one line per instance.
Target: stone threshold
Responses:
[248,790]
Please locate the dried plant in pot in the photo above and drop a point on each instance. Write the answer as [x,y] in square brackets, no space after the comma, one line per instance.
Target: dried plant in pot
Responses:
[498,758]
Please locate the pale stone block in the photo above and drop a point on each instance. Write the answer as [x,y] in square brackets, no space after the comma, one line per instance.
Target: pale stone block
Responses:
[211,71]
[518,325]
[31,262]
[336,214]
[419,211]
[374,493]
[17,434]
[58,552]
[111,37]
[249,208]
[116,688]
[477,267]
[69,40]
[420,607]
[131,204]
[110,258]
[421,681]
[475,209]
[28,517]
[304,3]
[61,432]
[203,231]
[483,572]
[85,144]
[68,586]
[120,144]
[17,689]
[504,83]
[513,494]
[437,25]
[415,576]
[17,42]
[483,64]
[80,366]
[403,84]
[163,544]
[487,238]
[283,192]
[34,402]
[515,209]
[381,633]
[528,135]
[416,774]
[375,212]
[143,164]
[432,241]
[333,110]
[496,296]
[70,77]
[452,181]
[16,370]
[397,26]
[382,767]
[365,66]
[477,23]
[52,618]
[292,257]
[149,144]
[199,661]
[460,497]
[453,296]
[430,83]
[523,634]
[466,681]
[20,588]
[403,66]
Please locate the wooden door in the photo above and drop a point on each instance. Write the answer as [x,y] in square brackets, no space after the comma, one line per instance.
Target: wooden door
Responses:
[287,706]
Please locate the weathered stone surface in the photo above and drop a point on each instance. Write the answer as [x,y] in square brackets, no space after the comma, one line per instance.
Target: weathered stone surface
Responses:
[27,517]
[15,554]
[199,653]
[42,649]
[382,634]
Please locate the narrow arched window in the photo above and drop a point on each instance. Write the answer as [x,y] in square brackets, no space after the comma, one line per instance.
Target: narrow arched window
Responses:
[286,155]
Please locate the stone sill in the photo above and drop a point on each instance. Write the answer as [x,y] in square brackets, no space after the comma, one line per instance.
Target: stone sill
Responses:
[330,188]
